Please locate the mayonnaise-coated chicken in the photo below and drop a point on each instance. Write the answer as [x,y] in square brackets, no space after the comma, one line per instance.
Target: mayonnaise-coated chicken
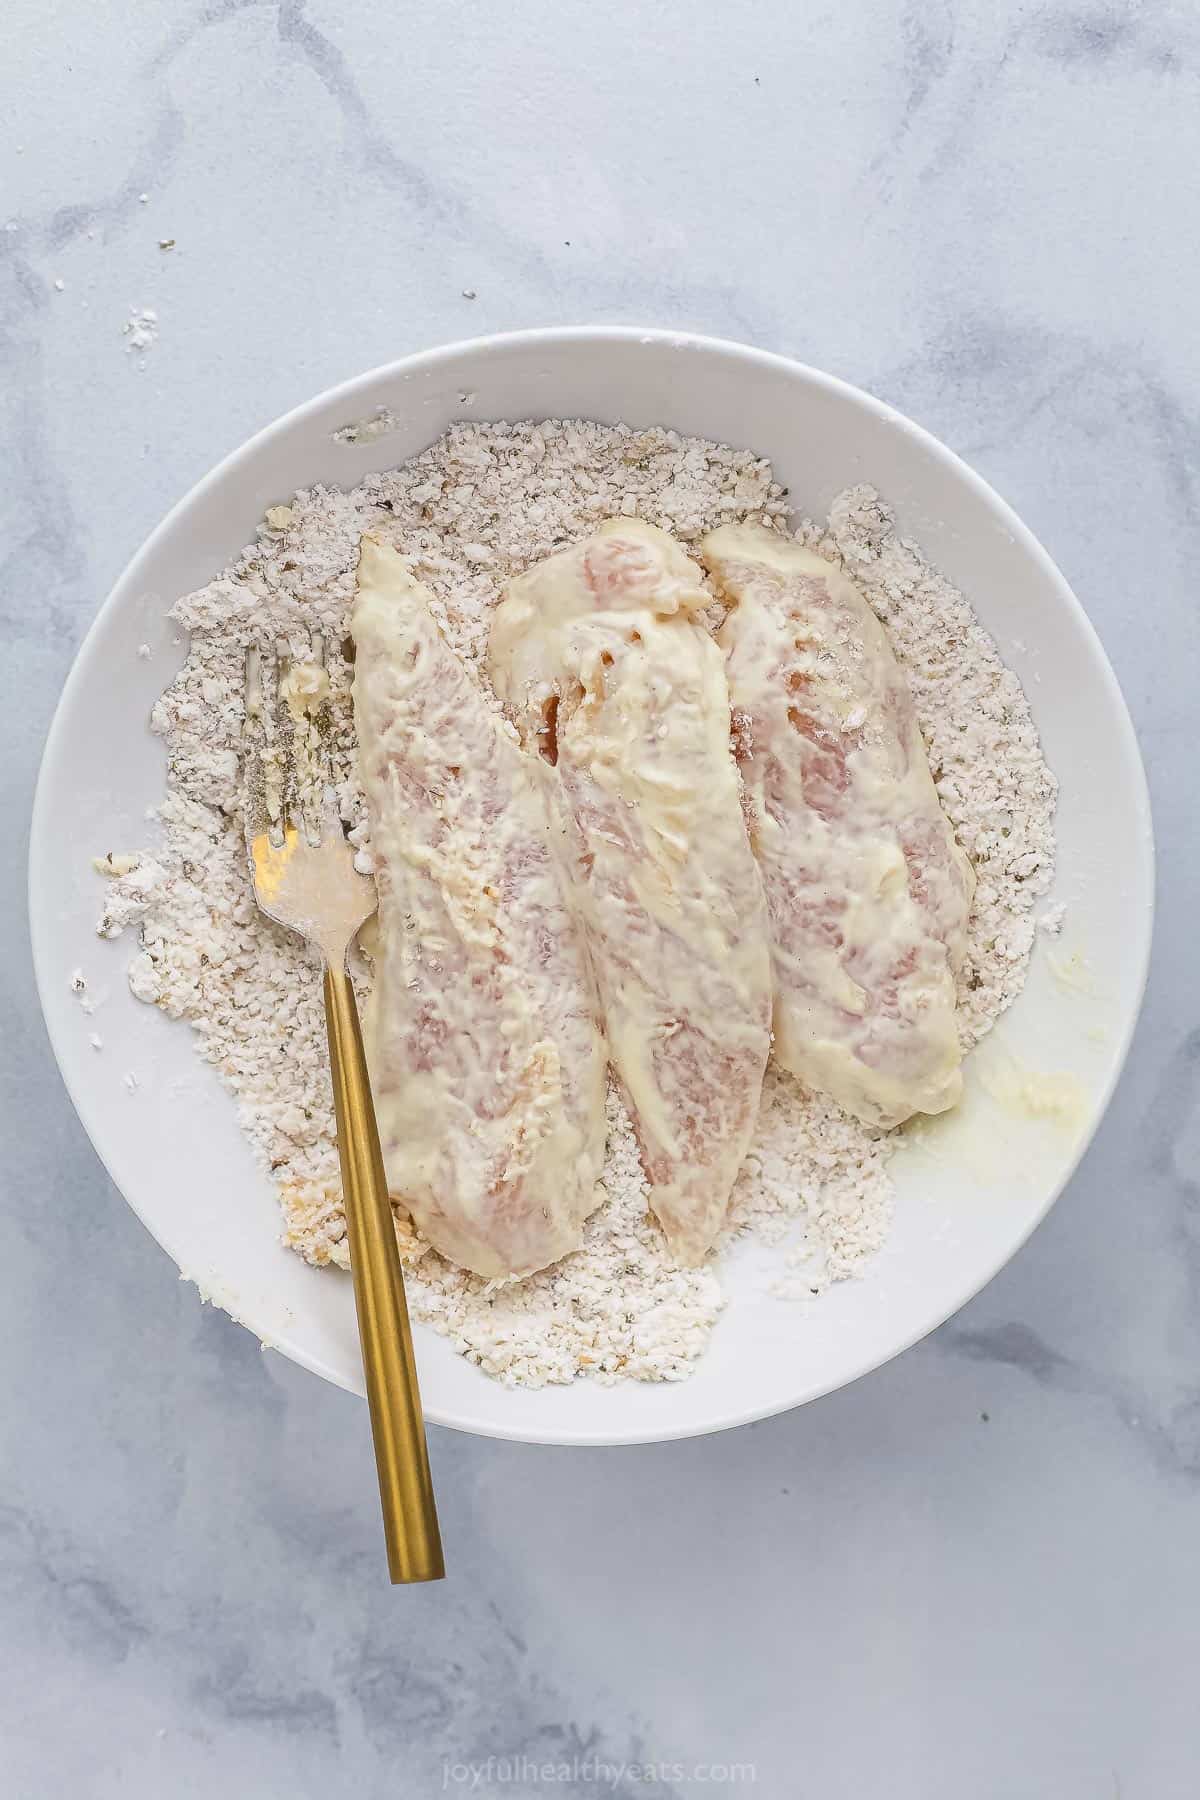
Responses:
[483,1038]
[611,676]
[867,890]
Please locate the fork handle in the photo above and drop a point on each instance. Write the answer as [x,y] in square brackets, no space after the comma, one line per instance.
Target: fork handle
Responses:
[414,1545]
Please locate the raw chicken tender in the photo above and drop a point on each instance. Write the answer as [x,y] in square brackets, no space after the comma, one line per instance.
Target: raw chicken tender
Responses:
[867,889]
[486,1056]
[608,673]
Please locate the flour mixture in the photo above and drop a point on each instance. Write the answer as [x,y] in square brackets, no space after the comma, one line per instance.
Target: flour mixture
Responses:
[471,512]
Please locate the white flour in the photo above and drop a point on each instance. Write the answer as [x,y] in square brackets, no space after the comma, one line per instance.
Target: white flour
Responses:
[475,509]
[140,331]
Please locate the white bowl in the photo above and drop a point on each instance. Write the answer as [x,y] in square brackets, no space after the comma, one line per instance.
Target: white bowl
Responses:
[172,1145]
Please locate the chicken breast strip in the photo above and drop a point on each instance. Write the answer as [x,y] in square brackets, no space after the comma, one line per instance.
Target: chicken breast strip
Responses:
[482,1033]
[612,678]
[867,889]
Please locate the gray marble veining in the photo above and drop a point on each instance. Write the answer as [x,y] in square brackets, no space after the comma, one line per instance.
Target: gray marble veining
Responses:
[974,1573]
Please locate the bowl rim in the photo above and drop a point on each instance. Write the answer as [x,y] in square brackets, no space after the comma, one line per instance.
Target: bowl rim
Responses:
[347,393]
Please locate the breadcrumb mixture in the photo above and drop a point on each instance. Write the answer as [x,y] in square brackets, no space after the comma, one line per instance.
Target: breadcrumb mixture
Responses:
[472,511]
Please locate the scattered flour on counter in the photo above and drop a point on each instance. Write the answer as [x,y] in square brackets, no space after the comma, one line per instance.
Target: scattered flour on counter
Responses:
[140,331]
[475,509]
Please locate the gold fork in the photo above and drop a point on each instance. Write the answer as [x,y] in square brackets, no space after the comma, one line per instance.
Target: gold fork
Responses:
[305,879]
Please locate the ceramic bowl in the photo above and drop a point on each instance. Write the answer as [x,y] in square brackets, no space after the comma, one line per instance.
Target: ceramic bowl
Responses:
[967,1196]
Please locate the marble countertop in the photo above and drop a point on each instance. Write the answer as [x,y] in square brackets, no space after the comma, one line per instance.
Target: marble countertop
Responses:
[975,1573]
